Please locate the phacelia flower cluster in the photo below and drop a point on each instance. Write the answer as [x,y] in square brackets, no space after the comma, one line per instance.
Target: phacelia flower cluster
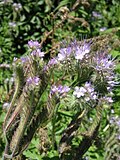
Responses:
[85,92]
[104,67]
[74,50]
[82,51]
[64,53]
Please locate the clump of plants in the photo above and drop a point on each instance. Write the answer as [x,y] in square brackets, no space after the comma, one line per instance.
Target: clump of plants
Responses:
[67,95]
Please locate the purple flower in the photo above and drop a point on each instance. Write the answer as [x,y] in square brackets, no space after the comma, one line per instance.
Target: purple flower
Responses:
[54,89]
[105,66]
[64,53]
[52,62]
[106,99]
[33,44]
[89,87]
[79,92]
[81,51]
[115,120]
[24,59]
[38,53]
[87,92]
[61,90]
[103,62]
[33,81]
[36,80]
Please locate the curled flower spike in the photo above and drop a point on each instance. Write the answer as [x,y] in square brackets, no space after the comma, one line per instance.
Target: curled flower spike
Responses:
[104,63]
[104,66]
[106,99]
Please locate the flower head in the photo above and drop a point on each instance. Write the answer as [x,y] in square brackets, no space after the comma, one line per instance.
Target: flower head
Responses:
[33,44]
[64,53]
[33,81]
[24,59]
[79,92]
[104,66]
[52,62]
[38,53]
[87,92]
[61,90]
[81,51]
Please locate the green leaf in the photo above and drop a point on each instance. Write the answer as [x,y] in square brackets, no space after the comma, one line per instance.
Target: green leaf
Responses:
[62,3]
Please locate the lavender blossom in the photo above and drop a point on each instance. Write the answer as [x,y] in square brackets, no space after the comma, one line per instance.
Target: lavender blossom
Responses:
[87,92]
[106,99]
[81,51]
[33,81]
[64,53]
[52,62]
[25,59]
[104,65]
[38,53]
[115,120]
[79,92]
[33,44]
[103,62]
[61,90]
